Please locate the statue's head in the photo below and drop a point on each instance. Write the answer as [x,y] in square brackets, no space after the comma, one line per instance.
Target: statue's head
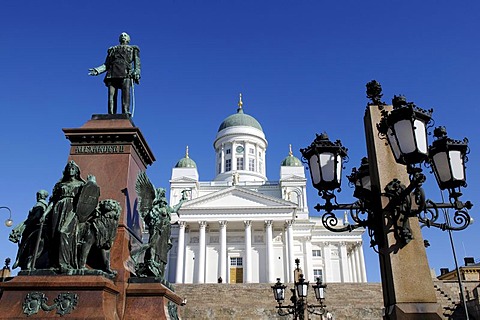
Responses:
[71,170]
[42,195]
[124,38]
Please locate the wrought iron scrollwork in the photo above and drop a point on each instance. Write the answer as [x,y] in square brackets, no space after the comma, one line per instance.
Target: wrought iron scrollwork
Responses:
[404,202]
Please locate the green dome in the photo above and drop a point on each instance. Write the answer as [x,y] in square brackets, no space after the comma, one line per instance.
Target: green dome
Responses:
[291,160]
[186,162]
[240,119]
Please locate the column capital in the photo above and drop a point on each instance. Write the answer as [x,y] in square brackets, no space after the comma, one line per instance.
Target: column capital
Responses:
[182,224]
[202,224]
[268,223]
[223,223]
[307,238]
[247,223]
[289,223]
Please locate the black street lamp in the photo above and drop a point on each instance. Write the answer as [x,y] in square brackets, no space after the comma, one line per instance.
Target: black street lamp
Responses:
[405,128]
[389,209]
[299,306]
[9,221]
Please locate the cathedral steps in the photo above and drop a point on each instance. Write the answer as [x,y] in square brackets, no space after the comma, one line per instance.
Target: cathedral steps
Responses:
[255,301]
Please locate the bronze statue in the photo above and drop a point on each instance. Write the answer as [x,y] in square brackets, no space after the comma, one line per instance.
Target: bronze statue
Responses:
[154,210]
[72,200]
[123,69]
[72,233]
[28,235]
[97,236]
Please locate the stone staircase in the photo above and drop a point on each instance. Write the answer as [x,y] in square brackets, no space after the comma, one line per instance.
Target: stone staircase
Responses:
[448,295]
[255,301]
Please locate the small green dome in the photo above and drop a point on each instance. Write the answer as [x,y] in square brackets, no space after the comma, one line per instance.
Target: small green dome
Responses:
[240,119]
[186,162]
[291,160]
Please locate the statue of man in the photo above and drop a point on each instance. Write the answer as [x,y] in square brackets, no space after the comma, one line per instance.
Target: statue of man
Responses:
[122,66]
[30,243]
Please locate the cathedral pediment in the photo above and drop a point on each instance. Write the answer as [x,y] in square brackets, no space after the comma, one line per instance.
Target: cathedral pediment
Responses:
[237,198]
[183,179]
[293,178]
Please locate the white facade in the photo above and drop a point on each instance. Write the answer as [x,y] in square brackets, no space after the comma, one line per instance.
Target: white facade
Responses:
[243,228]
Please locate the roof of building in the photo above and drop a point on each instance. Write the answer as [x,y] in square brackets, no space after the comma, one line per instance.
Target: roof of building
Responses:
[186,162]
[240,119]
[291,160]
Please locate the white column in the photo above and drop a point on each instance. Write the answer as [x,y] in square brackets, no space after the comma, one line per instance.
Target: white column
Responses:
[350,263]
[344,262]
[327,272]
[201,256]
[307,257]
[223,250]
[222,159]
[180,252]
[248,251]
[233,154]
[357,262]
[362,262]
[269,238]
[354,268]
[291,258]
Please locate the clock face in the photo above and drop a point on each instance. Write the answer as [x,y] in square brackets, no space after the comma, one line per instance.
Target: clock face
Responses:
[239,149]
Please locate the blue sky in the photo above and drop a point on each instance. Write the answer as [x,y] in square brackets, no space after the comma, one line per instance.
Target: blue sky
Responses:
[301,66]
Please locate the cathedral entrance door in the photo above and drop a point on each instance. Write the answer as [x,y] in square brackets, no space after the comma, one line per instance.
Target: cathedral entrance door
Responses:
[236,275]
[236,270]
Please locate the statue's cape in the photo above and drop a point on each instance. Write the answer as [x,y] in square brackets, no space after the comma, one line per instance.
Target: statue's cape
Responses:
[87,201]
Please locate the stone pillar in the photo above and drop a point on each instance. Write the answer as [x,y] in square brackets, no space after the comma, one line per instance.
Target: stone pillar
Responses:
[248,251]
[180,252]
[269,249]
[357,262]
[407,284]
[362,263]
[344,262]
[223,250]
[354,265]
[222,159]
[327,253]
[291,256]
[201,250]
[350,263]
[307,257]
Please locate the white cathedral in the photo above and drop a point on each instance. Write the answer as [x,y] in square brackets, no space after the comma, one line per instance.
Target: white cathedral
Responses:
[243,228]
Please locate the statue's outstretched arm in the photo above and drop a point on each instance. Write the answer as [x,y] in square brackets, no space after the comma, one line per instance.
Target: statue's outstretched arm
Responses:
[98,70]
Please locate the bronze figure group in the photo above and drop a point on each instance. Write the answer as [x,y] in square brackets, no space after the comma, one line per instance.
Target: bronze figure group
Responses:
[69,232]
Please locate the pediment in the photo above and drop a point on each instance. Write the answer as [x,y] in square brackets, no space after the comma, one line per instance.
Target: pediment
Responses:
[183,179]
[293,177]
[236,197]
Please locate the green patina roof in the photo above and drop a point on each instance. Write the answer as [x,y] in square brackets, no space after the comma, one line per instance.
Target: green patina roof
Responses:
[291,160]
[186,162]
[240,119]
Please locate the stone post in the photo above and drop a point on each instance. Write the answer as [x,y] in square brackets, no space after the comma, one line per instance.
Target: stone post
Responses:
[407,284]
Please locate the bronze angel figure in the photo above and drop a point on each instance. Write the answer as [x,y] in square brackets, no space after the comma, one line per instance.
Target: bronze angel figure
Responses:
[154,210]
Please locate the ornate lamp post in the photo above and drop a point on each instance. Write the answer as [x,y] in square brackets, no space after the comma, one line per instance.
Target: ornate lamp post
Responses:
[299,306]
[9,221]
[390,198]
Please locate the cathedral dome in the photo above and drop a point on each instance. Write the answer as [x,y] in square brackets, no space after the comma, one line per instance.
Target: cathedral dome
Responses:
[186,162]
[240,119]
[291,160]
